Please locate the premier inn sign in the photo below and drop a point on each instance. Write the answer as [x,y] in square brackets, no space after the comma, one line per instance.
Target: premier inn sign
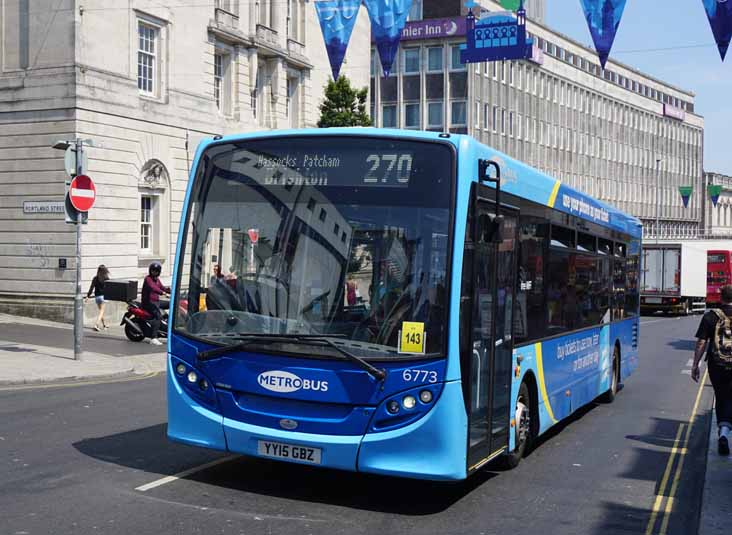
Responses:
[433,29]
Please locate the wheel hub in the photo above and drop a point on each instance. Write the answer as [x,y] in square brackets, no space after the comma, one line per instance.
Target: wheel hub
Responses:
[523,419]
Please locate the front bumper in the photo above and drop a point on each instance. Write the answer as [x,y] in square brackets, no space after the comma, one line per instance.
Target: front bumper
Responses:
[433,447]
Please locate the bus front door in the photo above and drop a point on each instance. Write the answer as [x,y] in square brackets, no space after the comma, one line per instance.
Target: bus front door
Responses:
[491,341]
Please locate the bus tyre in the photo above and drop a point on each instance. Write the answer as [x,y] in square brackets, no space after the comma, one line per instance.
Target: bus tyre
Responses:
[524,428]
[609,396]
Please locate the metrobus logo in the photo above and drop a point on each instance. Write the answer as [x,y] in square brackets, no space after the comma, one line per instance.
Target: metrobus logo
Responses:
[285,382]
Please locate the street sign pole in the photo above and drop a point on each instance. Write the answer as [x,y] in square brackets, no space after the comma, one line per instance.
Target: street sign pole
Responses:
[78,300]
[80,196]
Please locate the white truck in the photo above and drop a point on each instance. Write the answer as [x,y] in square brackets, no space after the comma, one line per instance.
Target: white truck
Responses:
[674,276]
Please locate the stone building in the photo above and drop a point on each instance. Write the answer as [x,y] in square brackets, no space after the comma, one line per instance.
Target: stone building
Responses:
[717,222]
[145,81]
[618,134]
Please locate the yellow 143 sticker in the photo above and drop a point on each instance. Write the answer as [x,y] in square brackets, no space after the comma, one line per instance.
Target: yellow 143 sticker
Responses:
[412,338]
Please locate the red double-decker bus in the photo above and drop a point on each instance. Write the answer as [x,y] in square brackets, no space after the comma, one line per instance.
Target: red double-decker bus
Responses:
[719,273]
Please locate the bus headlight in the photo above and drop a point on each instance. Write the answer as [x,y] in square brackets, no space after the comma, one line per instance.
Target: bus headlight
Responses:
[410,406]
[409,402]
[194,382]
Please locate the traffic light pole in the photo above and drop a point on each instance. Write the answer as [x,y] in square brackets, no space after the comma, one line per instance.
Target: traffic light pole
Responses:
[78,299]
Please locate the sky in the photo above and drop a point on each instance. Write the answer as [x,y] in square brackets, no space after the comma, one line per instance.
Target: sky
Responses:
[670,40]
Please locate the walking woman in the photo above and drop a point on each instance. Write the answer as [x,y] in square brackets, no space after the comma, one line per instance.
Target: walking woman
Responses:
[97,286]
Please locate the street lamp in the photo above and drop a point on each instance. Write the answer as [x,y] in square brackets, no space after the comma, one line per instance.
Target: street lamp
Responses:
[658,195]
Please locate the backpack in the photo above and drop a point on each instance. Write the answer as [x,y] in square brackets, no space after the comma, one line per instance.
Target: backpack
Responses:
[722,340]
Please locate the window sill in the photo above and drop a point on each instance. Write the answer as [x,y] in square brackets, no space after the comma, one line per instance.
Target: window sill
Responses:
[151,98]
[145,259]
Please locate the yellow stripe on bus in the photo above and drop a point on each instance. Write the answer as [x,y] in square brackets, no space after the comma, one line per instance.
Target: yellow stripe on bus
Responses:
[553,196]
[542,385]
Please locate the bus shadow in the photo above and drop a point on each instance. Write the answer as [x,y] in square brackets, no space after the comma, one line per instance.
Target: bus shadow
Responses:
[563,424]
[149,450]
[360,491]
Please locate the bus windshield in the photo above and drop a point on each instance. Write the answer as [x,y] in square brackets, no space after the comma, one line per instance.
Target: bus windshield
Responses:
[343,237]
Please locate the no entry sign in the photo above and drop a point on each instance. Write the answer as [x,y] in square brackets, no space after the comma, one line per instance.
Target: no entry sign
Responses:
[82,193]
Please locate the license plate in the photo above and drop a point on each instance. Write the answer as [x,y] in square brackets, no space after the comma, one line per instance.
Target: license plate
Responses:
[654,300]
[278,450]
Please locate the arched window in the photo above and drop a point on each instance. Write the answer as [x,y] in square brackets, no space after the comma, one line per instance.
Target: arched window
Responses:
[154,212]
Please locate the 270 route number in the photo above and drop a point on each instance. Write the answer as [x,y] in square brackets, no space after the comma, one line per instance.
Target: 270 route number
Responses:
[419,376]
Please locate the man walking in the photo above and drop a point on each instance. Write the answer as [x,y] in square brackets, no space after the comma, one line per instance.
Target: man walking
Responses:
[715,332]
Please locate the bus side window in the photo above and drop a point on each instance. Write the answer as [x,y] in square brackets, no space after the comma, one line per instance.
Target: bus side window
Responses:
[529,322]
[632,274]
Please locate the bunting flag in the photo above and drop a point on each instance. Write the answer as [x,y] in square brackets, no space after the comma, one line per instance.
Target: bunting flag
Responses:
[337,18]
[714,193]
[720,19]
[510,5]
[603,18]
[388,18]
[685,192]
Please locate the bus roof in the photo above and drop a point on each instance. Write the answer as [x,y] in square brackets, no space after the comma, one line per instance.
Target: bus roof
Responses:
[517,178]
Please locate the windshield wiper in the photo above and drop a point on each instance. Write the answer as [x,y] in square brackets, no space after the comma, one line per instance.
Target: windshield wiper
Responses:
[376,373]
[247,339]
[305,339]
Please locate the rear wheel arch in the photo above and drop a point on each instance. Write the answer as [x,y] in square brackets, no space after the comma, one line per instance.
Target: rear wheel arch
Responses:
[609,396]
[533,386]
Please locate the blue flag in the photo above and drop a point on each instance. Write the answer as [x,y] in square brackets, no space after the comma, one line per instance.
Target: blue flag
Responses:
[720,19]
[603,18]
[337,18]
[388,18]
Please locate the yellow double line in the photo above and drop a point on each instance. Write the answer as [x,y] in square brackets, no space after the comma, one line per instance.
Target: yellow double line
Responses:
[681,451]
[83,382]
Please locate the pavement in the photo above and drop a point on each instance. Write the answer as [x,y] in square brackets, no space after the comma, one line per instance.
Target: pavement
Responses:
[36,351]
[716,513]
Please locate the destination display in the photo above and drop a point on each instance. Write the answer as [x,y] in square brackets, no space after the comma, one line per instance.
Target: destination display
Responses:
[392,169]
[346,163]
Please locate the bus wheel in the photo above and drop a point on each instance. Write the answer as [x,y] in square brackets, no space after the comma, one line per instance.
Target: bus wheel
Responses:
[524,427]
[609,396]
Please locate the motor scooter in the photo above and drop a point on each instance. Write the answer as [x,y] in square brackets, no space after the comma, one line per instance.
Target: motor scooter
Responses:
[138,322]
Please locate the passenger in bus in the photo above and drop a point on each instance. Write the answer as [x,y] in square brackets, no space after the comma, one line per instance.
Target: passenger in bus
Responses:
[554,295]
[217,275]
[231,277]
[219,295]
[351,290]
[569,306]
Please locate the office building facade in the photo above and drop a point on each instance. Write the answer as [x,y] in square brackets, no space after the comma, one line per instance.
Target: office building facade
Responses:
[618,134]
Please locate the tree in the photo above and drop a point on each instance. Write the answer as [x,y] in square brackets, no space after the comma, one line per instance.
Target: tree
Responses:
[343,105]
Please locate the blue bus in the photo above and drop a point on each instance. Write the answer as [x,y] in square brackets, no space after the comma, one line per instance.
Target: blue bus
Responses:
[405,303]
